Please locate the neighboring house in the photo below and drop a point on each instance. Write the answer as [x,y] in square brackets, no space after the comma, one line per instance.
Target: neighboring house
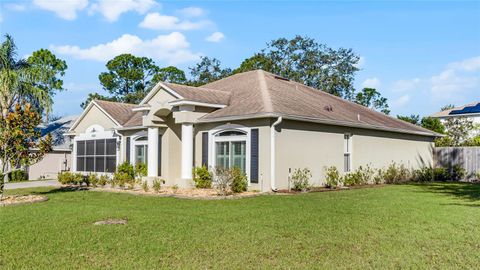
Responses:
[262,123]
[470,111]
[59,158]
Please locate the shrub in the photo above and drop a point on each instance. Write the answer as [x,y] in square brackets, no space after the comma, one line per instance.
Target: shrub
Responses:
[477,175]
[361,176]
[131,183]
[202,177]
[333,178]
[441,174]
[458,173]
[93,179]
[126,168]
[69,178]
[396,174]
[175,189]
[141,169]
[17,176]
[157,185]
[145,186]
[103,180]
[301,179]
[222,180]
[121,178]
[425,174]
[113,182]
[378,177]
[239,182]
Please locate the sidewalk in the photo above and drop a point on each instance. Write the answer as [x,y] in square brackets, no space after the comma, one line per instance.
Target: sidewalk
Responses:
[31,184]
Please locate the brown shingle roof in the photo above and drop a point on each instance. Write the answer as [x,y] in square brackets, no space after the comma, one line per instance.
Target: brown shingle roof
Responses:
[446,112]
[200,94]
[259,92]
[121,112]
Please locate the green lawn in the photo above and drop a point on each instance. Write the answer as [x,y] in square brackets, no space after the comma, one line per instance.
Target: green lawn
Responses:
[401,226]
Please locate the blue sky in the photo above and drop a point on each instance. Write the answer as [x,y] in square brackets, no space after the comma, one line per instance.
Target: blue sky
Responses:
[420,55]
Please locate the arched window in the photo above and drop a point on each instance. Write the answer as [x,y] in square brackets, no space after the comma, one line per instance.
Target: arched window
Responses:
[231,149]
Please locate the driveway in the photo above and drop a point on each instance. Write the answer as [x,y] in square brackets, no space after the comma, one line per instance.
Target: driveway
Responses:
[31,184]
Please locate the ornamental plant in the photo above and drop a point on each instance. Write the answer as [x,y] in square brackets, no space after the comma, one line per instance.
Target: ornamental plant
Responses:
[202,177]
[301,179]
[18,135]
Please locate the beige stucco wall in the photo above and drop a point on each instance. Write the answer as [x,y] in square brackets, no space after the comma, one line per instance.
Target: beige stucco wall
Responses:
[49,166]
[94,116]
[263,126]
[301,144]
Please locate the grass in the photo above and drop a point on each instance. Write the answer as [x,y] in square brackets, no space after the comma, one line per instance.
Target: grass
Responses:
[400,226]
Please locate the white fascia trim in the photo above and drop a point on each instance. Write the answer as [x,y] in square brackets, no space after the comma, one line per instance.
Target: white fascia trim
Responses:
[140,109]
[131,128]
[196,103]
[85,113]
[155,91]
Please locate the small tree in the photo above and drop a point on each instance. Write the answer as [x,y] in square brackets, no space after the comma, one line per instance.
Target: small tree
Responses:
[459,129]
[21,143]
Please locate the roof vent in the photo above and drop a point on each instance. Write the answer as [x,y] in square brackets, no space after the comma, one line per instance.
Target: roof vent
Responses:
[328,108]
[281,78]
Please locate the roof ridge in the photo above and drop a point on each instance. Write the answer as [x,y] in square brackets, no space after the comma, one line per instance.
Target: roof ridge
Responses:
[266,98]
[115,102]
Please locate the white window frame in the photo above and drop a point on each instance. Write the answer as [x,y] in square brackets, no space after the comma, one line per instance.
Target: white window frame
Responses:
[134,141]
[347,149]
[213,139]
[95,132]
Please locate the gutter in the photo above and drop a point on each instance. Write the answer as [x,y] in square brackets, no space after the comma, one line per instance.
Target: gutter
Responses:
[272,154]
[320,121]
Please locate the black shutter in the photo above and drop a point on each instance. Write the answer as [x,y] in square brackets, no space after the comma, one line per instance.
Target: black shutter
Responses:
[128,149]
[254,156]
[159,155]
[205,149]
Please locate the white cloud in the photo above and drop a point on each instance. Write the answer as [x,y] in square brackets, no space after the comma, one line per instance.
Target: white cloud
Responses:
[215,37]
[112,9]
[401,101]
[157,21]
[64,9]
[16,7]
[450,83]
[405,85]
[471,64]
[371,83]
[172,49]
[456,80]
[192,12]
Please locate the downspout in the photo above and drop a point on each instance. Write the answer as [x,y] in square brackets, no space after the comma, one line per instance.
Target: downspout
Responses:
[272,154]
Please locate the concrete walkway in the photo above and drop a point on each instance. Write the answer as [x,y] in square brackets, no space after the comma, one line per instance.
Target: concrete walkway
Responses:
[31,184]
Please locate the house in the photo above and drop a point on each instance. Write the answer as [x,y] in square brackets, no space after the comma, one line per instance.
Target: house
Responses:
[470,111]
[59,158]
[262,123]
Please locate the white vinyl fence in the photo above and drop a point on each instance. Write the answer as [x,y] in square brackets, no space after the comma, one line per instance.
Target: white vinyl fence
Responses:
[467,157]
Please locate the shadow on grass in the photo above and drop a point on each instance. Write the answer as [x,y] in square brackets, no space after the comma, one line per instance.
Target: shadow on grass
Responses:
[468,191]
[59,190]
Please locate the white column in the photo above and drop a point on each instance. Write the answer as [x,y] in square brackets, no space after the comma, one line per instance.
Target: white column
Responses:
[187,150]
[152,152]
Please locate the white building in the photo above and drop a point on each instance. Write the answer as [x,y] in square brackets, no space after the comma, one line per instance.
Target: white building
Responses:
[470,111]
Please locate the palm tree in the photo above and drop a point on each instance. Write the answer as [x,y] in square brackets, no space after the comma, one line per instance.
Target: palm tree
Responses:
[17,80]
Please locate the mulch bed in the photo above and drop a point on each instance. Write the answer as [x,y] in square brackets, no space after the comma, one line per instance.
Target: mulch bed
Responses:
[190,193]
[25,199]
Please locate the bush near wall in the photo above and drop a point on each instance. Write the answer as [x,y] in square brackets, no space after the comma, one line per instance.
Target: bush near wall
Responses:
[69,178]
[18,176]
[202,177]
[393,174]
